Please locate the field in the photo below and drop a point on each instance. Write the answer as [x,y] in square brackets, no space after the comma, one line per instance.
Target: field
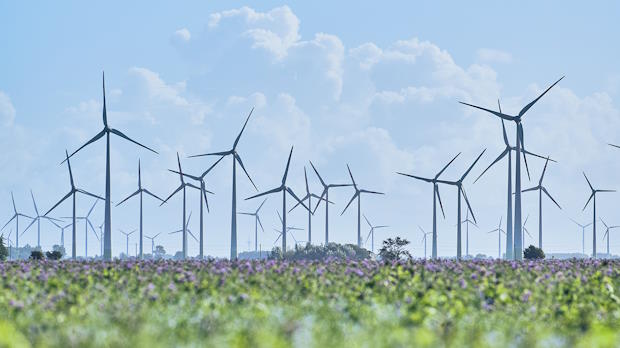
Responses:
[318,304]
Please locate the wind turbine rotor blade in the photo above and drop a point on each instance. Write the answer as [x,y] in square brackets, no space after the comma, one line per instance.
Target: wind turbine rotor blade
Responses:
[261,205]
[439,198]
[604,223]
[498,114]
[288,163]
[351,201]
[501,155]
[222,153]
[351,175]
[193,236]
[605,190]
[34,203]
[193,177]
[529,153]
[277,189]
[589,199]
[467,202]
[589,184]
[238,158]
[91,208]
[290,191]
[90,194]
[320,199]
[172,194]
[318,175]
[92,140]
[368,222]
[122,135]
[535,188]
[242,129]
[31,223]
[421,230]
[415,177]
[381,226]
[298,203]
[306,180]
[472,165]
[242,213]
[447,165]
[543,172]
[520,133]
[152,194]
[372,192]
[506,142]
[260,223]
[549,195]
[279,217]
[60,201]
[528,106]
[368,237]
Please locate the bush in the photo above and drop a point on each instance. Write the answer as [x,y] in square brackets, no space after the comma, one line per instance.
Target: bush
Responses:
[36,255]
[3,250]
[533,253]
[394,250]
[53,255]
[322,252]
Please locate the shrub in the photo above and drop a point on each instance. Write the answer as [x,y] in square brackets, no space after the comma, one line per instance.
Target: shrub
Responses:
[3,250]
[394,250]
[53,255]
[322,252]
[533,253]
[36,255]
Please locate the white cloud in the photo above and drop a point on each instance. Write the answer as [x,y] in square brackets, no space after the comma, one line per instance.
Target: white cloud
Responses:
[7,110]
[181,36]
[489,55]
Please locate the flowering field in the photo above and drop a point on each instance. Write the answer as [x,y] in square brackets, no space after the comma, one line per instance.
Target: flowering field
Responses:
[319,304]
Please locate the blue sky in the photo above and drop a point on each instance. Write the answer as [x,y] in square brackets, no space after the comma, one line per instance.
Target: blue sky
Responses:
[375,86]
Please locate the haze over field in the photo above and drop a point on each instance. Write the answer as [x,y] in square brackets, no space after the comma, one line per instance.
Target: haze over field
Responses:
[374,86]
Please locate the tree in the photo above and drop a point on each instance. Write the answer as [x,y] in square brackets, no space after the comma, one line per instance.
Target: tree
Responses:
[3,250]
[60,249]
[159,252]
[394,250]
[53,255]
[533,253]
[36,255]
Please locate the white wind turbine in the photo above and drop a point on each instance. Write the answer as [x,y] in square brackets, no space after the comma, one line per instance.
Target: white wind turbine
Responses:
[257,223]
[424,235]
[583,235]
[38,217]
[607,229]
[499,231]
[87,223]
[593,199]
[371,233]
[153,243]
[127,235]
[16,217]
[309,195]
[325,194]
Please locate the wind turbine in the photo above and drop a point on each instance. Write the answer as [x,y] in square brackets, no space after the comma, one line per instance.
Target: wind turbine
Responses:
[127,235]
[424,234]
[181,187]
[153,243]
[72,193]
[15,217]
[593,196]
[62,232]
[87,223]
[467,222]
[203,195]
[9,244]
[540,188]
[461,192]
[508,151]
[525,231]
[499,231]
[284,189]
[371,233]
[37,219]
[436,196]
[236,158]
[358,195]
[520,144]
[583,235]
[308,197]
[107,235]
[607,229]
[139,192]
[186,229]
[288,230]
[325,194]
[257,223]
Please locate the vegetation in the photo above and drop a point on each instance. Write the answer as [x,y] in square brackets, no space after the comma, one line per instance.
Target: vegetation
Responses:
[394,250]
[4,252]
[332,251]
[36,255]
[53,255]
[533,253]
[279,303]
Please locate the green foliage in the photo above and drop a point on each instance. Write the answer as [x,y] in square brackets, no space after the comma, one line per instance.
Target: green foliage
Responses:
[36,255]
[159,252]
[4,252]
[394,250]
[533,253]
[53,255]
[322,252]
[60,249]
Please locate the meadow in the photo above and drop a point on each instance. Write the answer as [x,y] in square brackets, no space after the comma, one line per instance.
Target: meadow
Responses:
[310,304]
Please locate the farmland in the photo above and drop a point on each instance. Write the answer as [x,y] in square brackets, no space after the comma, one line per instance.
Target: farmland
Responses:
[314,304]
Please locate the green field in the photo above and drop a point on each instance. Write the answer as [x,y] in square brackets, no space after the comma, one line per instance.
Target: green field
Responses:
[318,304]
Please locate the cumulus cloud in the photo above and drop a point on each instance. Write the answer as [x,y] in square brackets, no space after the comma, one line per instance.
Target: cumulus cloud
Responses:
[181,36]
[489,55]
[7,110]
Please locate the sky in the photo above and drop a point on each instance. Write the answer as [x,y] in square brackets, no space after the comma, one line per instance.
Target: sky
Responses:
[375,86]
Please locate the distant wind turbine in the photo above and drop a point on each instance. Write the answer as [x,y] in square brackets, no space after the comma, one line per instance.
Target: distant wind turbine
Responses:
[153,243]
[62,232]
[583,235]
[288,231]
[593,199]
[358,194]
[236,158]
[520,144]
[284,189]
[461,192]
[309,195]
[467,222]
[499,231]
[436,197]
[325,194]
[87,223]
[540,188]
[16,217]
[607,229]
[257,223]
[107,239]
[127,235]
[371,233]
[139,192]
[72,193]
[37,219]
[186,229]
[525,230]
[424,235]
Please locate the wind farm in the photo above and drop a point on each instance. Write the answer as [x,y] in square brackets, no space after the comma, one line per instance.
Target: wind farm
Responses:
[307,140]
